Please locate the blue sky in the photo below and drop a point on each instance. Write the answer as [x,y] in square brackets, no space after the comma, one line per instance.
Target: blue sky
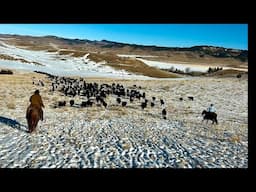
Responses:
[169,35]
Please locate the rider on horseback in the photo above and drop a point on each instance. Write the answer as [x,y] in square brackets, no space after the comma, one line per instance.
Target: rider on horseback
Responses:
[210,114]
[211,109]
[36,101]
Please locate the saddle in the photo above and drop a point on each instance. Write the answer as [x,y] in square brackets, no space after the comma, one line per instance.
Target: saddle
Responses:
[212,113]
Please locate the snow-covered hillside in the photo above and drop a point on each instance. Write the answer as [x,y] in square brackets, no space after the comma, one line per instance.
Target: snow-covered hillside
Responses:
[54,63]
[13,57]
[179,66]
[182,67]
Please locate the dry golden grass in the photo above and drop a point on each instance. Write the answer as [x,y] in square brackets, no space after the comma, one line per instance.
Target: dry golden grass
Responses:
[62,109]
[11,105]
[131,65]
[235,139]
[8,57]
[30,45]
[45,98]
[55,99]
[73,53]
[19,85]
[78,54]
[65,52]
[126,146]
[114,110]
[52,50]
[227,73]
[192,58]
[166,88]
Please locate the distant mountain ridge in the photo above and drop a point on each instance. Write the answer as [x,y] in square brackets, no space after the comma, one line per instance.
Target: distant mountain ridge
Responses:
[106,45]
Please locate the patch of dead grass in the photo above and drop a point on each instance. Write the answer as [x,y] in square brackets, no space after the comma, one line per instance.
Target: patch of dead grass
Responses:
[235,139]
[186,57]
[72,53]
[166,88]
[8,57]
[11,105]
[118,110]
[131,65]
[52,50]
[227,73]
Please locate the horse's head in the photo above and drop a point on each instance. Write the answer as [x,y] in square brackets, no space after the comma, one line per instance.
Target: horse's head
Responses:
[204,112]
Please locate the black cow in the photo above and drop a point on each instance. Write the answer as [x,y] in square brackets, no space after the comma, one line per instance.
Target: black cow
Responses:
[118,100]
[83,104]
[71,102]
[124,103]
[143,105]
[191,98]
[104,104]
[61,103]
[164,113]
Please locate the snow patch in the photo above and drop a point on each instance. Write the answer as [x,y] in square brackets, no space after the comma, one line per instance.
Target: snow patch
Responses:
[63,65]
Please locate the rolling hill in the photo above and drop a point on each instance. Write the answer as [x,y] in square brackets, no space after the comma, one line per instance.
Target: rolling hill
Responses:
[106,53]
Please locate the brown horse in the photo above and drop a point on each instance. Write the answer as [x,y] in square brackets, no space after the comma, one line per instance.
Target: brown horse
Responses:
[33,116]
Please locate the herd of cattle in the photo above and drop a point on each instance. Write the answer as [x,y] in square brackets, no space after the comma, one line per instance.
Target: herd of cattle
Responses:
[94,93]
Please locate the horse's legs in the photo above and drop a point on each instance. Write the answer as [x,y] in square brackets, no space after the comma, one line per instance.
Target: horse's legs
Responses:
[41,115]
[28,117]
[30,124]
[36,122]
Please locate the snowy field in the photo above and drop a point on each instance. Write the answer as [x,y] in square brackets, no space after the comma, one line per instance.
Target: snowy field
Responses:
[182,67]
[116,136]
[127,137]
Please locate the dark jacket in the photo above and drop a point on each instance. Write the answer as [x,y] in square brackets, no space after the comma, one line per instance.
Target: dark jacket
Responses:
[36,100]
